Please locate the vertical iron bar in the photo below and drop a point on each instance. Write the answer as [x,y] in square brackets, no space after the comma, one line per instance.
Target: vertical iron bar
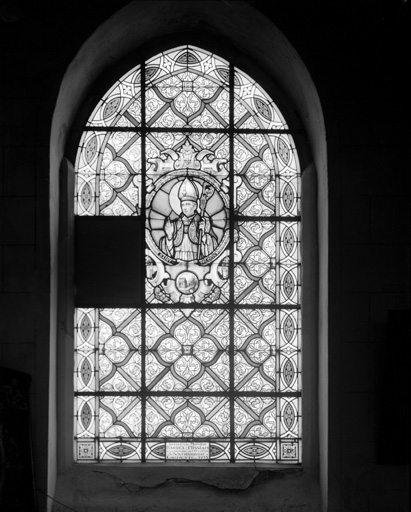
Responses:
[97,398]
[278,225]
[98,172]
[96,191]
[231,264]
[278,314]
[143,249]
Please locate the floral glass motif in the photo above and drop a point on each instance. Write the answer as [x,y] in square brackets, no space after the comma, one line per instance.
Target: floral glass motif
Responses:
[208,366]
[108,177]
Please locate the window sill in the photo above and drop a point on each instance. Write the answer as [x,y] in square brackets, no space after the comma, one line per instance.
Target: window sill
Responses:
[168,487]
[222,476]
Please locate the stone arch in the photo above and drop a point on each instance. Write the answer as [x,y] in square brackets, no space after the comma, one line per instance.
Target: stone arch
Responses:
[249,32]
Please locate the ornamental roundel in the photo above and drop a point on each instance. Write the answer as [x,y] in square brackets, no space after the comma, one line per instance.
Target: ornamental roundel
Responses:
[187,224]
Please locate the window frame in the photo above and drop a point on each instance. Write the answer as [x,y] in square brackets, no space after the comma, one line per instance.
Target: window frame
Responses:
[302,151]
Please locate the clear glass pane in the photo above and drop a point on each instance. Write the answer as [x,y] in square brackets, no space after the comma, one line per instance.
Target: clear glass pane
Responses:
[174,417]
[254,270]
[255,417]
[255,180]
[121,105]
[289,367]
[253,107]
[256,450]
[108,174]
[120,451]
[187,350]
[187,87]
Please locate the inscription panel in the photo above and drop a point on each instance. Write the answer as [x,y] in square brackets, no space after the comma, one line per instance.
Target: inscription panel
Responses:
[187,451]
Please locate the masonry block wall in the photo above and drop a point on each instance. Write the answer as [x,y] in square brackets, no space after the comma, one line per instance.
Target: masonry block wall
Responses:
[356,55]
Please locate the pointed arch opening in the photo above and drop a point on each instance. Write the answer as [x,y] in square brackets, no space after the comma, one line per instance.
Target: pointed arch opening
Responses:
[272,53]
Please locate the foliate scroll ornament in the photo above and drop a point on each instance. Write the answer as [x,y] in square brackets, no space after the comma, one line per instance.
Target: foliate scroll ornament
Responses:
[188,158]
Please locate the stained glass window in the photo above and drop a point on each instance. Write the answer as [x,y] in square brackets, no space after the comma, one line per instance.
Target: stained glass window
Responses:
[207,366]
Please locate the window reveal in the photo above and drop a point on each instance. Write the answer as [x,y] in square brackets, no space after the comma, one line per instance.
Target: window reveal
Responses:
[208,366]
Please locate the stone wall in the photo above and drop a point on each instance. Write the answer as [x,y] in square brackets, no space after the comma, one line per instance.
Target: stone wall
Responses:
[355,53]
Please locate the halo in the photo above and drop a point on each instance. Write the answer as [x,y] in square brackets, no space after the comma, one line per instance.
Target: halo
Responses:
[173,198]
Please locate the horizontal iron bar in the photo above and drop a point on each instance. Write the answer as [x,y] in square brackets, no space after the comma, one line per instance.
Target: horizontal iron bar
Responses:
[226,306]
[228,394]
[236,217]
[273,218]
[188,129]
[187,438]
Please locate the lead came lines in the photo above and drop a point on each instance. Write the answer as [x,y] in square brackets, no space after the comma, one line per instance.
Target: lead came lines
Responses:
[206,382]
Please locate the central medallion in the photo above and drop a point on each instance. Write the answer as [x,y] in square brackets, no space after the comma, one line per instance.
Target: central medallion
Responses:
[187,225]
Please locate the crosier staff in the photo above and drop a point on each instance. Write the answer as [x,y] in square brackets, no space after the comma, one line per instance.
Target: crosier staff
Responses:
[205,196]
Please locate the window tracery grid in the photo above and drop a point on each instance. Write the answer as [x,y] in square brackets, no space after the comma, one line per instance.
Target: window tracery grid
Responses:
[208,367]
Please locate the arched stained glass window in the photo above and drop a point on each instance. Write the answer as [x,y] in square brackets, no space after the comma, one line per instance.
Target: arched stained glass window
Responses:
[205,364]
